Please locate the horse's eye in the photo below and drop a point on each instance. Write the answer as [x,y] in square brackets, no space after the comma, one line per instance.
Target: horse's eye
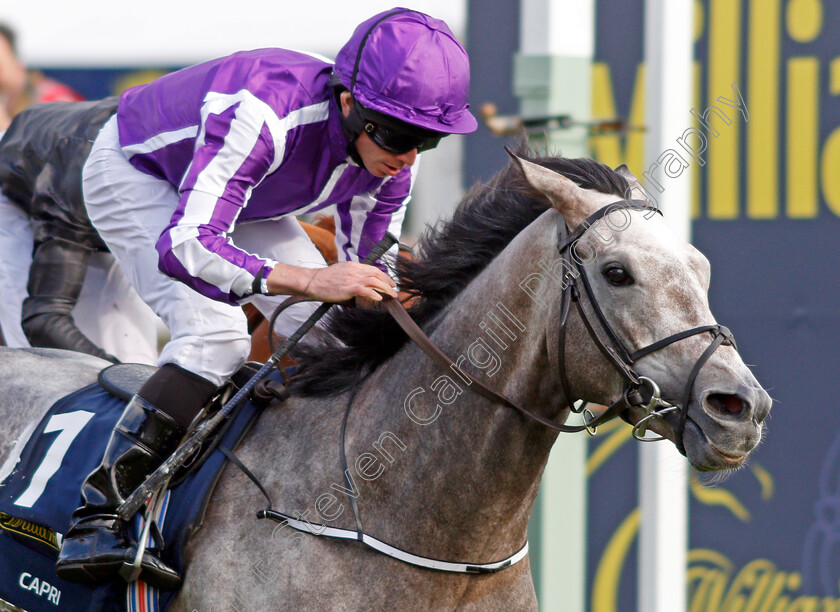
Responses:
[618,276]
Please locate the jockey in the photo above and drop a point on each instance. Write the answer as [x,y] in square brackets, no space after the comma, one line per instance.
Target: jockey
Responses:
[199,175]
[45,231]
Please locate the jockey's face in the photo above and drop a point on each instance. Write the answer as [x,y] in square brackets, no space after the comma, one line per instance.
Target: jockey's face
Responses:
[380,162]
[377,160]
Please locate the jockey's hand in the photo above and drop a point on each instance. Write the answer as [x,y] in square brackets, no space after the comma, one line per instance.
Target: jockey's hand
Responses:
[336,283]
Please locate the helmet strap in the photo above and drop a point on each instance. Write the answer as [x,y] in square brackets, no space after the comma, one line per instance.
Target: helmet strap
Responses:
[353,152]
[352,126]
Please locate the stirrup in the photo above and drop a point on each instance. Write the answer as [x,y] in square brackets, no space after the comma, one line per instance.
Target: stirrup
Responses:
[130,572]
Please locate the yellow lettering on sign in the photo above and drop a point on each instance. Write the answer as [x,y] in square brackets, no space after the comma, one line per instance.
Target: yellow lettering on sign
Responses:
[695,175]
[763,128]
[718,496]
[707,577]
[828,172]
[613,438]
[802,133]
[714,583]
[809,173]
[830,162]
[804,19]
[698,20]
[608,574]
[699,29]
[606,148]
[724,61]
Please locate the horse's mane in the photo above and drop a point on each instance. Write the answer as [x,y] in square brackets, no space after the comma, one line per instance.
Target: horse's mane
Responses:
[447,257]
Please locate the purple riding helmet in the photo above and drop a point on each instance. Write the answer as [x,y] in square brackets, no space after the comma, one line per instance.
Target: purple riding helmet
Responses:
[410,80]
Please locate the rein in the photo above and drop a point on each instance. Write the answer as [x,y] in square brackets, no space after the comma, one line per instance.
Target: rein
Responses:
[639,391]
[404,320]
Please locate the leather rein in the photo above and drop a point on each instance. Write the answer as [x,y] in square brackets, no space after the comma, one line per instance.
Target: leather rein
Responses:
[639,391]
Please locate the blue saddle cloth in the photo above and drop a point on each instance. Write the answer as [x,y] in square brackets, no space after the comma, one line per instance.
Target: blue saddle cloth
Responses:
[38,497]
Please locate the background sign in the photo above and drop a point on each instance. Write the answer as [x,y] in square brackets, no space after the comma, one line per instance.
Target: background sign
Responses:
[767,196]
[767,215]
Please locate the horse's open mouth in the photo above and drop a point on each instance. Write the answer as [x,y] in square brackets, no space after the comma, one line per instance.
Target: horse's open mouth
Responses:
[734,460]
[715,458]
[703,454]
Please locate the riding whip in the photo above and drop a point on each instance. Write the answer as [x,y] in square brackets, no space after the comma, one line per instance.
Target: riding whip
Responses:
[178,459]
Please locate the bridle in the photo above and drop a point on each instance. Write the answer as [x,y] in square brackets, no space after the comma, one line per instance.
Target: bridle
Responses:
[639,391]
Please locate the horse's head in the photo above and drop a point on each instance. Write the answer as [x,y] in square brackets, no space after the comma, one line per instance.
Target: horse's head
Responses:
[652,286]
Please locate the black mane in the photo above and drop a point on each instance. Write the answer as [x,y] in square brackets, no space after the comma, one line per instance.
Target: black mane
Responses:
[447,257]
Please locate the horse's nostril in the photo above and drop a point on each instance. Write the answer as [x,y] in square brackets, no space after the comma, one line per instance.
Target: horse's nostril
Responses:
[726,404]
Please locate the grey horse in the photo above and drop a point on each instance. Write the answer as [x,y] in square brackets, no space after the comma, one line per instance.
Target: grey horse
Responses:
[433,468]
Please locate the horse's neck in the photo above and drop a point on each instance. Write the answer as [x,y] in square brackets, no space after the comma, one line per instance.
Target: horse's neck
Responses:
[462,480]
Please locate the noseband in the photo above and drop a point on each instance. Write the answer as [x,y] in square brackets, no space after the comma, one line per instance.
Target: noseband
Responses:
[639,391]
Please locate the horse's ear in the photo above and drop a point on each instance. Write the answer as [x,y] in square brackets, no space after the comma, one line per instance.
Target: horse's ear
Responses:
[563,194]
[624,171]
[636,192]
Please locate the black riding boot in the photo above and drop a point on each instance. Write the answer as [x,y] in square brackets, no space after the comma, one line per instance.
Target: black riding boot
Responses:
[55,283]
[97,544]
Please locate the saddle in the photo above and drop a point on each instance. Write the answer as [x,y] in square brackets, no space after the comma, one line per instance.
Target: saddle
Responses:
[42,489]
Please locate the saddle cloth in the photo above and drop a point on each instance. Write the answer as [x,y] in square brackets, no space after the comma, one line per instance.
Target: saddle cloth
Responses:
[39,495]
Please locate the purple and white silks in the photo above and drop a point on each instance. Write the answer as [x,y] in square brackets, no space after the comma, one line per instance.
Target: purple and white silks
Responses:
[248,137]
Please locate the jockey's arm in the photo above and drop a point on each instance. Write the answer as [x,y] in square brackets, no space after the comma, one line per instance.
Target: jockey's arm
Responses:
[335,283]
[377,212]
[196,248]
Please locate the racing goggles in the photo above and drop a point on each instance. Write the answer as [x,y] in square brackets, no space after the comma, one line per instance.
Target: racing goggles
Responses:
[395,136]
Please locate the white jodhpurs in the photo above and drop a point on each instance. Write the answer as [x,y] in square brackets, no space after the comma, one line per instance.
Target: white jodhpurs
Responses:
[130,210]
[109,312]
